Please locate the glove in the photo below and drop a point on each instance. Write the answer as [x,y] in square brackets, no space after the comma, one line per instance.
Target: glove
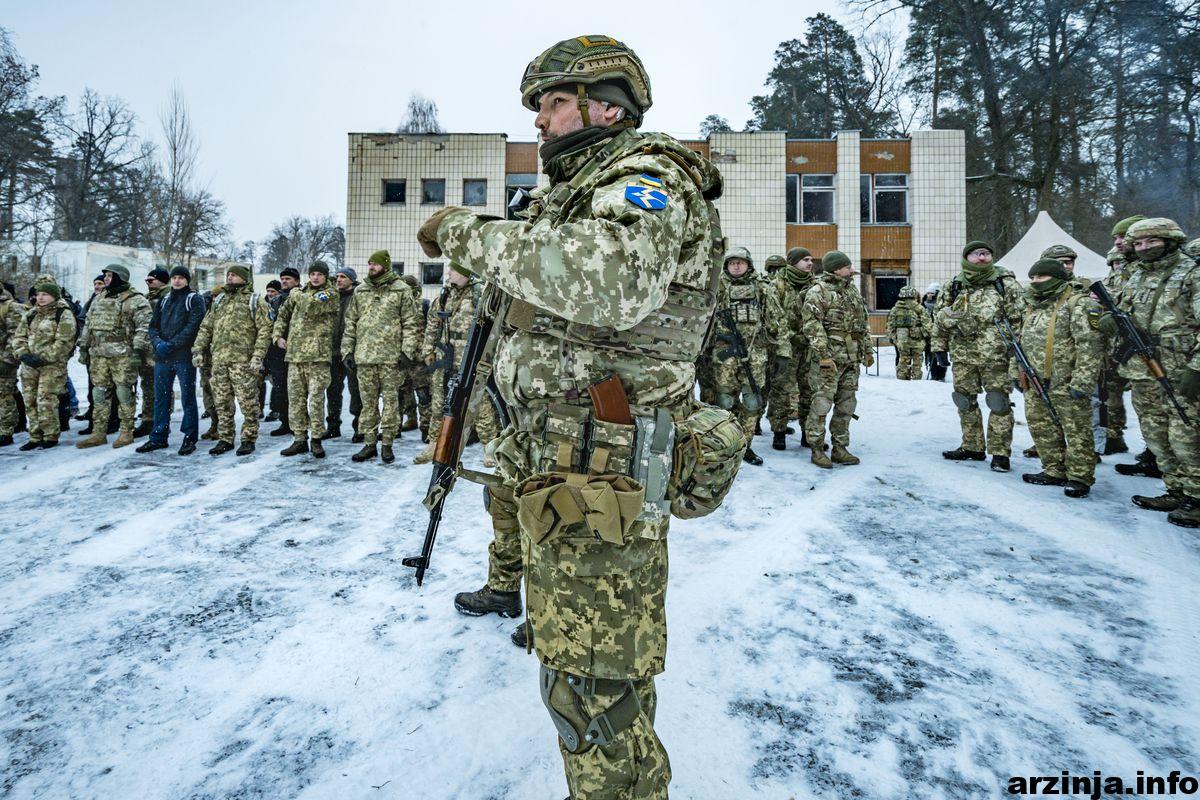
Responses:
[782,365]
[427,235]
[868,359]
[1189,384]
[161,349]
[256,364]
[404,362]
[1107,324]
[198,360]
[349,362]
[1078,394]
[827,366]
[31,360]
[83,357]
[135,362]
[941,358]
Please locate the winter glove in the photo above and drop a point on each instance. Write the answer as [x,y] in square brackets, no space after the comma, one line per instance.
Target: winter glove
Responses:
[427,235]
[7,370]
[349,362]
[256,364]
[941,358]
[782,365]
[404,362]
[1078,394]
[1107,325]
[1189,384]
[827,366]
[198,360]
[161,349]
[868,359]
[135,362]
[31,360]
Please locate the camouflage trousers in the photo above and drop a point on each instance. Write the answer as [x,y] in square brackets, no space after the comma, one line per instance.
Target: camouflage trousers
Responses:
[1174,444]
[146,387]
[1068,453]
[486,423]
[504,553]
[116,375]
[307,382]
[412,379]
[733,392]
[704,379]
[1112,395]
[837,392]
[790,395]
[379,384]
[8,400]
[910,360]
[42,386]
[230,381]
[210,404]
[992,379]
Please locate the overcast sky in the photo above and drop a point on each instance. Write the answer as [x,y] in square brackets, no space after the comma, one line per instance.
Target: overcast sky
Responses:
[274,87]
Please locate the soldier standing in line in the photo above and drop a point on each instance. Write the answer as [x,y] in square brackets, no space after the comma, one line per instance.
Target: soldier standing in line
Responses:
[1112,386]
[114,344]
[158,286]
[1067,257]
[834,321]
[1058,326]
[379,341]
[11,313]
[275,362]
[43,343]
[414,403]
[909,328]
[304,332]
[965,334]
[233,340]
[341,377]
[790,393]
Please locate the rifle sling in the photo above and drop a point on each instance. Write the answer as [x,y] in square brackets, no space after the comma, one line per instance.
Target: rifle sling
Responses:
[1048,358]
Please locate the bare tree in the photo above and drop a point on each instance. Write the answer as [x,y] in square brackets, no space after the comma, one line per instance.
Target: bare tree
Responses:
[421,116]
[299,241]
[179,164]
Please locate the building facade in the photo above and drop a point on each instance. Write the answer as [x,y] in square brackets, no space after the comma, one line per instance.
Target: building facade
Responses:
[896,207]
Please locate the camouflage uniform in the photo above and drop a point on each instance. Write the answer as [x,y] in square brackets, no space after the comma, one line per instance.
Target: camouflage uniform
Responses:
[1112,386]
[114,344]
[625,228]
[1066,255]
[11,313]
[414,380]
[49,333]
[791,395]
[381,327]
[306,321]
[1058,337]
[964,325]
[909,328]
[146,370]
[834,321]
[446,330]
[235,333]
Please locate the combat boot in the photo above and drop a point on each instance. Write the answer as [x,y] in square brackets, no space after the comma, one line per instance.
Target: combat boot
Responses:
[188,447]
[521,638]
[1076,489]
[150,446]
[30,445]
[385,454]
[1114,445]
[820,459]
[963,454]
[803,439]
[357,438]
[331,432]
[1000,464]
[1145,469]
[299,445]
[410,423]
[1043,479]
[1171,501]
[488,601]
[758,427]
[751,457]
[143,429]
[425,456]
[245,448]
[282,430]
[779,441]
[318,449]
[789,430]
[1187,515]
[85,431]
[95,440]
[1030,452]
[366,454]
[841,455]
[220,448]
[211,433]
[6,440]
[125,439]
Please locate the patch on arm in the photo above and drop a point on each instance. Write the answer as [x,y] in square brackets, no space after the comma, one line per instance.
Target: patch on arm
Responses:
[647,193]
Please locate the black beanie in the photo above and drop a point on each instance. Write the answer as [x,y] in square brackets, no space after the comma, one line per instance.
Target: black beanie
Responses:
[182,270]
[1051,267]
[159,274]
[276,285]
[320,266]
[289,272]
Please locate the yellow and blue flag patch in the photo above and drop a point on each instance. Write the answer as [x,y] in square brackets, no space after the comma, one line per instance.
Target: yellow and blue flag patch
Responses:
[647,193]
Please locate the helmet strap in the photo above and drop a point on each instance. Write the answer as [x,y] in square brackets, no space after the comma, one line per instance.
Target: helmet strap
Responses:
[582,102]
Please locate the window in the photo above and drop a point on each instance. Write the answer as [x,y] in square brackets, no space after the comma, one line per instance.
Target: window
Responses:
[433,191]
[394,192]
[474,192]
[431,273]
[887,291]
[518,183]
[810,199]
[398,268]
[883,198]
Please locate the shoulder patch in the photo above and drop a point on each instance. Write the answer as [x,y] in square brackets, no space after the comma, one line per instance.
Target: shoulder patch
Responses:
[647,193]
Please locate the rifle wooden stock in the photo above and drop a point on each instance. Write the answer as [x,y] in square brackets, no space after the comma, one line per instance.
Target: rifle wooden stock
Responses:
[446,450]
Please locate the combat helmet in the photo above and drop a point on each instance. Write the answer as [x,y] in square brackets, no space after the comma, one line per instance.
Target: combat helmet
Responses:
[907,292]
[738,252]
[587,61]
[1115,256]
[1059,251]
[1156,227]
[1192,248]
[775,262]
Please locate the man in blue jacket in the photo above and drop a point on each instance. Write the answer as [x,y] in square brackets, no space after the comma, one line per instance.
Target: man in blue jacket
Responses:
[173,328]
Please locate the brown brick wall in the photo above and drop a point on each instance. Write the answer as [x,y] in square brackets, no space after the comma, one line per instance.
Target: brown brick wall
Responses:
[891,155]
[818,157]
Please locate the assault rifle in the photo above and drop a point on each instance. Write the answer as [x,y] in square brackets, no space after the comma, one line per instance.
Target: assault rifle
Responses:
[737,349]
[1134,342]
[1029,374]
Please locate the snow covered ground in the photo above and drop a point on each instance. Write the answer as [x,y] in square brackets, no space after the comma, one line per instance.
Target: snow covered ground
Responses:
[202,628]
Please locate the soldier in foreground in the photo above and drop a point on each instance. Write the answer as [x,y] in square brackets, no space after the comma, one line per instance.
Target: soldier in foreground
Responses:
[588,281]
[1112,386]
[964,330]
[834,321]
[790,394]
[909,327]
[43,343]
[304,332]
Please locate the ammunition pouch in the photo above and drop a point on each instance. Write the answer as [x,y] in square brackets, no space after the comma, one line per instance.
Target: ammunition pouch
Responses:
[709,445]
[424,396]
[563,696]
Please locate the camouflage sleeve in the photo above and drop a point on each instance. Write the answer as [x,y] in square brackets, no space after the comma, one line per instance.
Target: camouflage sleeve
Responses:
[891,322]
[409,320]
[283,319]
[1014,302]
[64,340]
[350,331]
[262,334]
[610,270]
[1089,347]
[20,340]
[939,339]
[779,342]
[1192,287]
[204,335]
[431,333]
[139,324]
[812,323]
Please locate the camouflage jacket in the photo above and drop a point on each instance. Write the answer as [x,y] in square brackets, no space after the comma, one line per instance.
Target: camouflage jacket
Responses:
[628,235]
[345,299]
[47,332]
[1060,340]
[754,301]
[306,320]
[450,319]
[155,296]
[236,328]
[382,321]
[834,320]
[117,326]
[11,313]
[1163,298]
[790,287]
[964,319]
[909,322]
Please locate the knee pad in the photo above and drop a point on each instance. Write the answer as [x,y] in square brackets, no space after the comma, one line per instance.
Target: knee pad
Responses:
[962,401]
[997,402]
[751,401]
[100,394]
[124,395]
[562,695]
[820,406]
[724,400]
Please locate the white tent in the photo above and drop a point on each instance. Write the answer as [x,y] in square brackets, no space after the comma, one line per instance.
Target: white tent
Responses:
[1042,234]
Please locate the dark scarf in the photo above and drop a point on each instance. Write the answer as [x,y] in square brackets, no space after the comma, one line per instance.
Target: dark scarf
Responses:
[385,277]
[116,286]
[980,274]
[1047,290]
[796,277]
[560,155]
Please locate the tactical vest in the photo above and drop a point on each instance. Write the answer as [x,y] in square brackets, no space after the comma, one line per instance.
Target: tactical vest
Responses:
[905,317]
[676,330]
[105,314]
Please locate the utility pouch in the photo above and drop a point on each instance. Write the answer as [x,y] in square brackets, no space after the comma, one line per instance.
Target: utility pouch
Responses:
[709,445]
[608,505]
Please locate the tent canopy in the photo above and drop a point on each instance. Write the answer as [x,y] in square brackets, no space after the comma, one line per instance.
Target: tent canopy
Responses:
[1042,234]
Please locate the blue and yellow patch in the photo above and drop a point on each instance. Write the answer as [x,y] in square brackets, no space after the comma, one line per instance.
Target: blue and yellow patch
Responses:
[647,193]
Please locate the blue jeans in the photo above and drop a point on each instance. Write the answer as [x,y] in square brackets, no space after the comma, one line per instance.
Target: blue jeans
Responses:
[164,376]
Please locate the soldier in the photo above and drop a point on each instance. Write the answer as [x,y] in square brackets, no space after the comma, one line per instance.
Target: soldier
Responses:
[790,393]
[1119,240]
[1112,386]
[1058,325]
[43,343]
[445,334]
[414,386]
[276,363]
[380,340]
[210,404]
[235,333]
[964,325]
[115,343]
[341,377]
[304,332]
[158,286]
[758,317]
[11,314]
[834,321]
[909,328]
[1192,249]
[625,229]
[1163,298]
[1066,256]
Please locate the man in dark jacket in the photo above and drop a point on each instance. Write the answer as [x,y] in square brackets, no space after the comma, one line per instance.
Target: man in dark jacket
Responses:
[173,327]
[346,280]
